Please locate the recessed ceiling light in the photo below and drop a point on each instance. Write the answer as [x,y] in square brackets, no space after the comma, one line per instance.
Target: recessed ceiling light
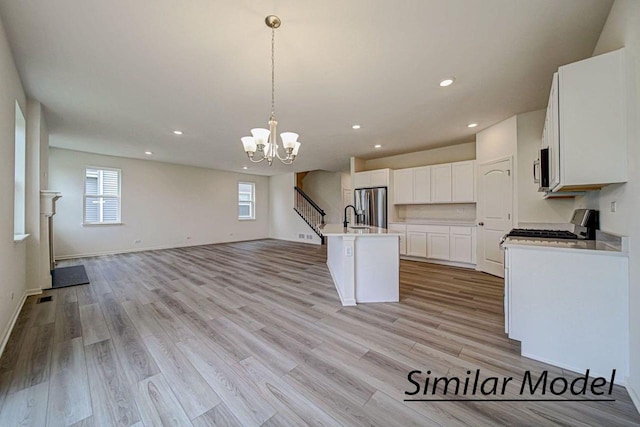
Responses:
[447,82]
[177,132]
[355,127]
[148,153]
[245,168]
[377,146]
[472,125]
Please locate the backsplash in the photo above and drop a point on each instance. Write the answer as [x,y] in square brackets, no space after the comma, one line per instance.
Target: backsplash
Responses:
[461,211]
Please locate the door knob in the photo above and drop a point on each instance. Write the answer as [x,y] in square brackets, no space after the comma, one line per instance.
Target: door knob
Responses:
[481,224]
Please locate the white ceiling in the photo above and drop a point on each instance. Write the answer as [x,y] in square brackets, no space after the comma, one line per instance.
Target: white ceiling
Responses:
[117,76]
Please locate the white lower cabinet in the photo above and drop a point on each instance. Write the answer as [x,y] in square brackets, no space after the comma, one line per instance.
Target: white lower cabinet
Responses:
[438,246]
[438,242]
[461,244]
[417,243]
[402,229]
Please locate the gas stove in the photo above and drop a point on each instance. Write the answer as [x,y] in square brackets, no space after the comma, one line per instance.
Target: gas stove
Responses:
[541,234]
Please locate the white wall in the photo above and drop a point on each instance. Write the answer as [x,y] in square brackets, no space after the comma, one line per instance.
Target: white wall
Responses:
[284,222]
[498,141]
[532,206]
[162,205]
[622,29]
[434,156]
[325,188]
[12,255]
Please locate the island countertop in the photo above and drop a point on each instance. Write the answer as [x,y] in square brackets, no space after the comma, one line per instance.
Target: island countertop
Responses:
[356,230]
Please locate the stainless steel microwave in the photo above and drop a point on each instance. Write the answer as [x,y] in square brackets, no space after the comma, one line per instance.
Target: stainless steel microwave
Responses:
[541,170]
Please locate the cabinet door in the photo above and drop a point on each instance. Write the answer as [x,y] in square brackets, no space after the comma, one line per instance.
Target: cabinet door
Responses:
[438,246]
[402,230]
[403,244]
[379,178]
[361,180]
[422,184]
[441,183]
[463,181]
[461,247]
[417,243]
[403,186]
[593,120]
[553,135]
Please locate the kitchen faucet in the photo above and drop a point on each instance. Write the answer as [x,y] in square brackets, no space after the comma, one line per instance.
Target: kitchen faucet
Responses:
[346,223]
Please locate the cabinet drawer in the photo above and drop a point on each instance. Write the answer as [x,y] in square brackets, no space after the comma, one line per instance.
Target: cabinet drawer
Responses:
[465,231]
[428,228]
[418,228]
[402,228]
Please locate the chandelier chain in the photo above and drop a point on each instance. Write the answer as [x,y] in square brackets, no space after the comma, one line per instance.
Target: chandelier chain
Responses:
[273,71]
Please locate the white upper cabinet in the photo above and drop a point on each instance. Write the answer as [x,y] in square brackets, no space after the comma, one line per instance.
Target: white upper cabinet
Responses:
[422,184]
[403,186]
[463,182]
[444,183]
[441,183]
[590,106]
[375,178]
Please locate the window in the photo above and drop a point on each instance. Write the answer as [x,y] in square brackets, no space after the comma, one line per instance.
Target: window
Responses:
[246,200]
[19,201]
[101,196]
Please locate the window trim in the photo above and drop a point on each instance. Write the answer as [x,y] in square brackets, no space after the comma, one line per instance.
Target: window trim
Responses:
[252,201]
[19,168]
[84,196]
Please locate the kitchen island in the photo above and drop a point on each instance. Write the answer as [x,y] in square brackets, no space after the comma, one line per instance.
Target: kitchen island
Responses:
[364,263]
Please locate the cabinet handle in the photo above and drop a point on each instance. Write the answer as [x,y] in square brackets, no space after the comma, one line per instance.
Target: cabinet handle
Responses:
[481,224]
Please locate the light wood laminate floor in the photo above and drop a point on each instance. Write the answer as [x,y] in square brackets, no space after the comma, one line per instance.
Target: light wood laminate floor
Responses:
[252,334]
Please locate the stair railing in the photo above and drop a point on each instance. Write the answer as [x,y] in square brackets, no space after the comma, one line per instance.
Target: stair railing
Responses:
[309,211]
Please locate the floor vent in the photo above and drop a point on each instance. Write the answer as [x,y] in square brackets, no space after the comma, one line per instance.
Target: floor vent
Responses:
[44,299]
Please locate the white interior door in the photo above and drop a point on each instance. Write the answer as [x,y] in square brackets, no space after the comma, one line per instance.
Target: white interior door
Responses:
[495,214]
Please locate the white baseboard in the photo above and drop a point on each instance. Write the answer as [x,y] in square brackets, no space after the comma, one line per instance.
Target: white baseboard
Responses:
[621,377]
[14,317]
[634,395]
[437,261]
[152,248]
[305,241]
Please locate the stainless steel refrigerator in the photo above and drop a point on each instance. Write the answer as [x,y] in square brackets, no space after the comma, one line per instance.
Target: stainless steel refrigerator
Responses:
[371,205]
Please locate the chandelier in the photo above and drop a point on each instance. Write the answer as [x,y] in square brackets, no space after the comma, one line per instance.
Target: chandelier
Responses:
[263,143]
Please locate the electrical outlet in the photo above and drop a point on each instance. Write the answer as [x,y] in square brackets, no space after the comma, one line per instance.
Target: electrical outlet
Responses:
[614,206]
[188,237]
[300,235]
[12,295]
[137,241]
[309,236]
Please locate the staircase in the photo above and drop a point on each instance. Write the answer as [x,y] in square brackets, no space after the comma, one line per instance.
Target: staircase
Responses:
[309,211]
